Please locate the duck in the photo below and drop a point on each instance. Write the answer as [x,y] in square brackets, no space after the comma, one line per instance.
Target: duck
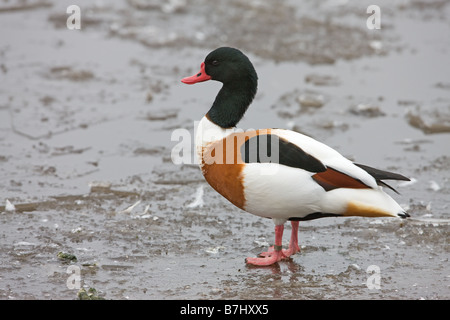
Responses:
[277,173]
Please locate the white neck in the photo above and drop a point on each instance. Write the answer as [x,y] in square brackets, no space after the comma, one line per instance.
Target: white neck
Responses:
[208,132]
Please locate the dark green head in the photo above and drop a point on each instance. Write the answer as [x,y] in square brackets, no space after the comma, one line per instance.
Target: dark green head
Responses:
[231,67]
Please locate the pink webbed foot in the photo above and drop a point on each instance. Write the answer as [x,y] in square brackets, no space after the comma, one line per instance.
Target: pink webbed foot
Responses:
[275,253]
[269,259]
[267,253]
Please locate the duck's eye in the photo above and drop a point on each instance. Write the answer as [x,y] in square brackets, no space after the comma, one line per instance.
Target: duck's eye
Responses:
[214,62]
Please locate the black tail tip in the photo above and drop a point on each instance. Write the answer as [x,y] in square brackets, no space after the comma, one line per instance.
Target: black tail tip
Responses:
[403,215]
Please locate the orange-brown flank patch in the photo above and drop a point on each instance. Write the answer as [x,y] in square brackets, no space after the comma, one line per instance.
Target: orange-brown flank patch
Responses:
[222,165]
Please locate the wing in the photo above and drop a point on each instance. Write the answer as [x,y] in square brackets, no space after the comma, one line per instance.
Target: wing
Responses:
[328,167]
[340,172]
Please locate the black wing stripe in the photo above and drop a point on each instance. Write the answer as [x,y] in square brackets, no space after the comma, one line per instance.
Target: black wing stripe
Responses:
[267,148]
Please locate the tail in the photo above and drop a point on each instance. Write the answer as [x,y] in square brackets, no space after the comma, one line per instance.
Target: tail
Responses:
[403,214]
[363,203]
[364,209]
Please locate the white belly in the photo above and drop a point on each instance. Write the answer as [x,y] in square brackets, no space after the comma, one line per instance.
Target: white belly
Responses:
[280,192]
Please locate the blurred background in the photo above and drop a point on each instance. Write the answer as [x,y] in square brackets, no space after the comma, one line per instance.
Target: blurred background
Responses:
[86,118]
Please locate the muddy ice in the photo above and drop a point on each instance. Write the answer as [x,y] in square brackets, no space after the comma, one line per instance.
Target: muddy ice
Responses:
[90,196]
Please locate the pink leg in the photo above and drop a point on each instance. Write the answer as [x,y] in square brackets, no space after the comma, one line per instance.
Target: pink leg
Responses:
[293,243]
[273,256]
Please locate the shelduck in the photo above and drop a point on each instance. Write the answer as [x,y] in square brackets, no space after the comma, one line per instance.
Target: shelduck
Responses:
[274,173]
